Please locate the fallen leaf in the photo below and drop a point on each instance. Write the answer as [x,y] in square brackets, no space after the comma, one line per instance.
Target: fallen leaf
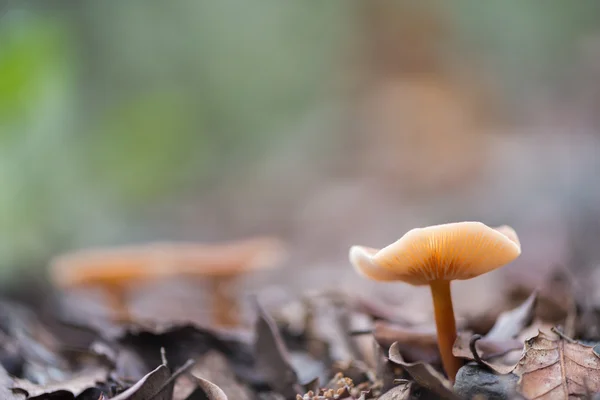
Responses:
[400,392]
[214,367]
[75,385]
[498,349]
[209,390]
[510,323]
[22,324]
[380,310]
[311,386]
[129,365]
[555,368]
[495,354]
[92,394]
[424,375]
[272,357]
[387,372]
[184,387]
[148,387]
[5,384]
[182,342]
[10,355]
[415,344]
[556,293]
[327,322]
[307,367]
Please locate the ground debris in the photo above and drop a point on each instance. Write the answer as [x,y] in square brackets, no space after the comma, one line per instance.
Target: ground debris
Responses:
[328,346]
[557,367]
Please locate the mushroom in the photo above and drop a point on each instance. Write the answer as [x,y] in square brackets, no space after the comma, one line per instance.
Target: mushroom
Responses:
[112,270]
[115,270]
[434,256]
[221,264]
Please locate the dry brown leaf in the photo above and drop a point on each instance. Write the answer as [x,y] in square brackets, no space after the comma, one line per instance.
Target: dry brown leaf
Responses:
[510,323]
[400,392]
[210,390]
[272,356]
[495,354]
[555,368]
[148,387]
[214,367]
[499,349]
[424,375]
[415,344]
[76,384]
[184,387]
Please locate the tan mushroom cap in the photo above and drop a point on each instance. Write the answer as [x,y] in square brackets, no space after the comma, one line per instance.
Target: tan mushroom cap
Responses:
[134,263]
[460,250]
[105,266]
[228,259]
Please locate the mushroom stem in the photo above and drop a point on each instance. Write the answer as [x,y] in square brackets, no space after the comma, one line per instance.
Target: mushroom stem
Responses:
[446,326]
[224,305]
[118,302]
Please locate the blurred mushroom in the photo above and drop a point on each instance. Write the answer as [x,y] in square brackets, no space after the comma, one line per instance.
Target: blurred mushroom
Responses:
[221,264]
[114,270]
[435,256]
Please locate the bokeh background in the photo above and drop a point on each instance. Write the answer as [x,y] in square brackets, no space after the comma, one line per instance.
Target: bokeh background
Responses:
[326,123]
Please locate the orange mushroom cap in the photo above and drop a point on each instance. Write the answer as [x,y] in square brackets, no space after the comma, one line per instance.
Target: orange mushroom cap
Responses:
[227,259]
[460,251]
[134,263]
[102,266]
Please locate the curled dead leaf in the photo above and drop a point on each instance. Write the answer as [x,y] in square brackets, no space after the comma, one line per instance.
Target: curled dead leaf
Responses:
[215,368]
[414,343]
[210,390]
[424,375]
[400,392]
[510,323]
[555,368]
[149,387]
[498,349]
[498,355]
[272,356]
[75,385]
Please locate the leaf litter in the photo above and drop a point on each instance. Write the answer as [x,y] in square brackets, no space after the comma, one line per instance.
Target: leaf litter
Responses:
[555,366]
[331,345]
[499,349]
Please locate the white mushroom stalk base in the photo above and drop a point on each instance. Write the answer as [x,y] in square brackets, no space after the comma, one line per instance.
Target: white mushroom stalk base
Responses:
[446,326]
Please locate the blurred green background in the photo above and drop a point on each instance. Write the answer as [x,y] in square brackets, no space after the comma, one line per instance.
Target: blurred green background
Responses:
[207,120]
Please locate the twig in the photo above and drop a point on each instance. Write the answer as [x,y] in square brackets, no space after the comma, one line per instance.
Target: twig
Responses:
[360,332]
[163,357]
[571,319]
[473,349]
[562,335]
[180,371]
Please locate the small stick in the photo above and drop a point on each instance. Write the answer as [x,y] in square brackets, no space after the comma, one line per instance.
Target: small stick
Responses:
[163,357]
[562,335]
[360,332]
[473,349]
